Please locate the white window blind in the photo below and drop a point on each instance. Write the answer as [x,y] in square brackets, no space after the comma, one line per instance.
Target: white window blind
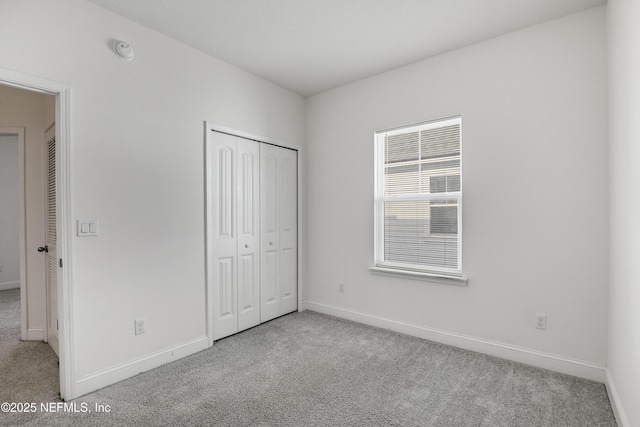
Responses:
[418,197]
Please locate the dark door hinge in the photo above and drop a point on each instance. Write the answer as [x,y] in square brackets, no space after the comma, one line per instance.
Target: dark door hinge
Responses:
[60,262]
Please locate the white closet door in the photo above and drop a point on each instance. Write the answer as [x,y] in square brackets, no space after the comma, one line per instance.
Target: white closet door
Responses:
[269,233]
[222,257]
[252,233]
[288,231]
[248,202]
[278,228]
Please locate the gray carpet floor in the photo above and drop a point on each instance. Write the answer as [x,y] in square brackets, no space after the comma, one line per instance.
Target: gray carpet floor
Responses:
[28,369]
[309,369]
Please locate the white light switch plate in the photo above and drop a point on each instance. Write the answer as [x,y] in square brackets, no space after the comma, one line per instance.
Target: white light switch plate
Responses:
[87,227]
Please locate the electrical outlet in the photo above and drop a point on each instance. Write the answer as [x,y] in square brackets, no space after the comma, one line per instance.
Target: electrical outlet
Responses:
[139,326]
[541,321]
[341,287]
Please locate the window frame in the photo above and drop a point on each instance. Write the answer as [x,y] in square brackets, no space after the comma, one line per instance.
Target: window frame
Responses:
[380,198]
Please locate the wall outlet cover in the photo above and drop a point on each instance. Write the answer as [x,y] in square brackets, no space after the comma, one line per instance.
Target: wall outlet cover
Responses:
[541,321]
[139,326]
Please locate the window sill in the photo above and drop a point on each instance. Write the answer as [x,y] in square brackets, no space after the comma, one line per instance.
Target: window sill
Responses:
[419,275]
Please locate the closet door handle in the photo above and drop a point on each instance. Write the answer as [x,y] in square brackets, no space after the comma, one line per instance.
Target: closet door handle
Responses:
[270,243]
[43,249]
[246,246]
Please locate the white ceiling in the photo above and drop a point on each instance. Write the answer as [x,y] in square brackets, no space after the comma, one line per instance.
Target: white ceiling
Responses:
[310,46]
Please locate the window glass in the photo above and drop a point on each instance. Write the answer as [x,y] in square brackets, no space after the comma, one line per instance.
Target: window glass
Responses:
[418,197]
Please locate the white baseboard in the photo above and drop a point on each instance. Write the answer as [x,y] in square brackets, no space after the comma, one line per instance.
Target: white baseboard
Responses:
[5,286]
[616,405]
[100,379]
[552,362]
[35,334]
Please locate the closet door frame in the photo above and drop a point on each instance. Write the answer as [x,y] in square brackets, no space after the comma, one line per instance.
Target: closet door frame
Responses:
[209,298]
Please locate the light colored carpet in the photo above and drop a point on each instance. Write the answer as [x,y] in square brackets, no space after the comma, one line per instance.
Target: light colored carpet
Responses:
[308,369]
[28,369]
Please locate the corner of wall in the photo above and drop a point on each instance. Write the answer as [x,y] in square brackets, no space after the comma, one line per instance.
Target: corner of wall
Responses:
[616,404]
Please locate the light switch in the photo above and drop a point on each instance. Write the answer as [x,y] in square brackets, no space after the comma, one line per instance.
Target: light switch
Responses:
[87,227]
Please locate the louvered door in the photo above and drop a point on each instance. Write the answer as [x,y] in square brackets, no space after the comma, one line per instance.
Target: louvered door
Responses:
[51,239]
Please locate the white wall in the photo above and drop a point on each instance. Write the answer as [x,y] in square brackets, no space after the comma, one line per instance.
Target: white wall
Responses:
[137,141]
[20,108]
[535,217]
[624,136]
[9,213]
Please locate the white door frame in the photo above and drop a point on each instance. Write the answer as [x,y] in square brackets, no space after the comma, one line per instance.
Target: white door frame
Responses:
[64,224]
[208,126]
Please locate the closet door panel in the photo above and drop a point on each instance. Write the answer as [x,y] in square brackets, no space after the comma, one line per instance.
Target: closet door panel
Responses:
[226,291]
[270,307]
[279,232]
[269,233]
[222,253]
[248,196]
[288,210]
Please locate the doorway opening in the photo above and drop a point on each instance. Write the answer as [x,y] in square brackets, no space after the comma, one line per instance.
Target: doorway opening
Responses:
[25,299]
[27,95]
